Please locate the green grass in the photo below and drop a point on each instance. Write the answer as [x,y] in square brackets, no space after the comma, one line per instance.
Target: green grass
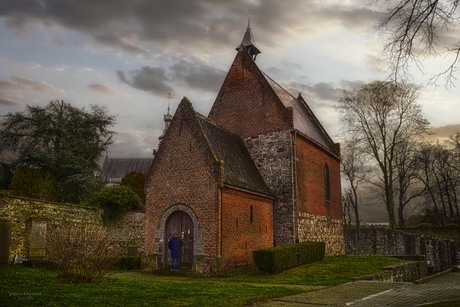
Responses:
[22,286]
[328,272]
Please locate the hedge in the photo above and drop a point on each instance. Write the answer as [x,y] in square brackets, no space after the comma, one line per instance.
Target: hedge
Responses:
[129,263]
[284,257]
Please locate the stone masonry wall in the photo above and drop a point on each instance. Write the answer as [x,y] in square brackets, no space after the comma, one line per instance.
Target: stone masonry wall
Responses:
[322,229]
[440,254]
[272,154]
[25,214]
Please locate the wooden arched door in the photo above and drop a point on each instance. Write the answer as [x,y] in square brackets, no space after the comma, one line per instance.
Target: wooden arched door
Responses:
[180,222]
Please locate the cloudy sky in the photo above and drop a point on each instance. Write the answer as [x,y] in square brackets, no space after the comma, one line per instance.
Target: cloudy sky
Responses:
[129,55]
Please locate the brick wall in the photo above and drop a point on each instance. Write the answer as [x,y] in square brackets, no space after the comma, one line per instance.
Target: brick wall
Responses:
[20,213]
[242,234]
[246,104]
[310,164]
[184,174]
[272,154]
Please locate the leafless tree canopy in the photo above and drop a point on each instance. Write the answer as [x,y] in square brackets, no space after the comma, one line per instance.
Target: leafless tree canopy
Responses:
[415,28]
[381,118]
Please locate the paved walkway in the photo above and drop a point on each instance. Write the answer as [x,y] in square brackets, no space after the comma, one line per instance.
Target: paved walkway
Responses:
[445,287]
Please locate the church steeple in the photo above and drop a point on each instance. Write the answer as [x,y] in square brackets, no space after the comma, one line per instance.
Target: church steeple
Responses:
[167,119]
[247,43]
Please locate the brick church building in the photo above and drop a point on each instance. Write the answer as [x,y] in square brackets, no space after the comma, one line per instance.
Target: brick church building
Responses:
[258,171]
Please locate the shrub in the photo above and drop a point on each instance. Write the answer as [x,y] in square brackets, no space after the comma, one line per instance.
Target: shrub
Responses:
[284,257]
[34,183]
[5,176]
[129,263]
[136,182]
[83,253]
[116,201]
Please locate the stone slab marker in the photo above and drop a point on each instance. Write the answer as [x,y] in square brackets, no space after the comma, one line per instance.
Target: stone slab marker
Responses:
[37,239]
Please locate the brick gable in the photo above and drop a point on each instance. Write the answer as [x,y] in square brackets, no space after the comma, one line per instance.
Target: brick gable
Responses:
[246,103]
[184,171]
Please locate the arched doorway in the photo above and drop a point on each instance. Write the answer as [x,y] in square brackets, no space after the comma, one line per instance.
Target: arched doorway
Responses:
[180,222]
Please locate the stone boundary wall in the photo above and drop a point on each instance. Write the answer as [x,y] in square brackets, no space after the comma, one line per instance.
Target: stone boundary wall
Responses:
[322,229]
[440,254]
[30,220]
[452,233]
[401,272]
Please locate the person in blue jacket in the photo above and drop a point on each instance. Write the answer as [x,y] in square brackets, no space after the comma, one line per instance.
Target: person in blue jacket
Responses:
[175,246]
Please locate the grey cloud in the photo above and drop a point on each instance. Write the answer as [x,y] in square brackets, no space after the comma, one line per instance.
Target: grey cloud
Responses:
[207,23]
[198,76]
[326,91]
[159,80]
[351,85]
[128,144]
[322,90]
[356,18]
[101,88]
[8,102]
[11,89]
[150,79]
[20,83]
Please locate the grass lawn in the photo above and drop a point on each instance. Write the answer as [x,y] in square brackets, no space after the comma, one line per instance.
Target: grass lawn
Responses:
[22,286]
[328,272]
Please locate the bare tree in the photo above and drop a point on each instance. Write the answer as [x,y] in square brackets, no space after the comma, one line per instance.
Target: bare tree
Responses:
[354,170]
[408,185]
[382,116]
[438,170]
[415,29]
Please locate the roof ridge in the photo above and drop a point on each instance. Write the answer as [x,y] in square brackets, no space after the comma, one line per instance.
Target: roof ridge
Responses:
[241,144]
[311,114]
[218,125]
[267,76]
[320,126]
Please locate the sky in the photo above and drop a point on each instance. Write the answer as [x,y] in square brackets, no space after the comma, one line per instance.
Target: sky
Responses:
[135,57]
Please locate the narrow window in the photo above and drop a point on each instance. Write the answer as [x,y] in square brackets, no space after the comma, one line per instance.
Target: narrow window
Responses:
[251,214]
[236,223]
[327,184]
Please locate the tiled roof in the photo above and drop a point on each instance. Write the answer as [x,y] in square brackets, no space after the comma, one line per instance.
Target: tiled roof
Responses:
[304,119]
[239,168]
[114,169]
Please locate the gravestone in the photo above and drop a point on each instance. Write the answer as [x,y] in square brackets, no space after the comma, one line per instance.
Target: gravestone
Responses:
[37,239]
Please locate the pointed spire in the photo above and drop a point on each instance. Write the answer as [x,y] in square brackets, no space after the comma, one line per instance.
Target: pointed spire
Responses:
[248,43]
[167,119]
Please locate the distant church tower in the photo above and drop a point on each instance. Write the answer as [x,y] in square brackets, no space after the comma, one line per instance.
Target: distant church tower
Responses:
[167,119]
